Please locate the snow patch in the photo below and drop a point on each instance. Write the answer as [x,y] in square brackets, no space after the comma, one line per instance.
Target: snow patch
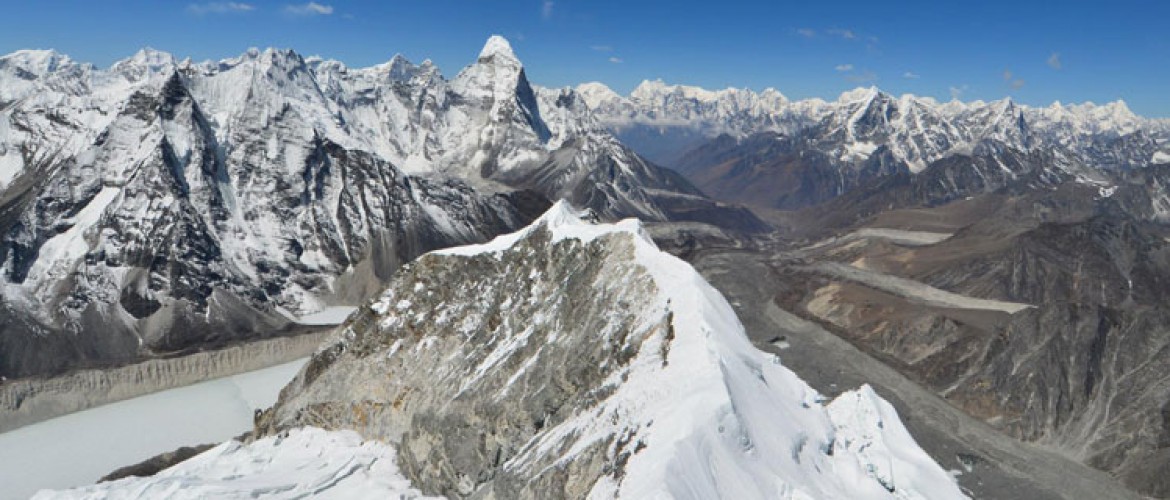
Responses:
[57,254]
[334,315]
[858,151]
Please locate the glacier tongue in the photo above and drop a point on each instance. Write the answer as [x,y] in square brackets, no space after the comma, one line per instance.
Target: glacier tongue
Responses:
[573,360]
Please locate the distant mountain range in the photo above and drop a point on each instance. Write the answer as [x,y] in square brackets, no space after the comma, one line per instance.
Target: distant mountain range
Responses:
[917,130]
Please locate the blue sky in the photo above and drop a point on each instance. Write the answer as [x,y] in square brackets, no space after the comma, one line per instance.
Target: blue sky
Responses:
[1036,52]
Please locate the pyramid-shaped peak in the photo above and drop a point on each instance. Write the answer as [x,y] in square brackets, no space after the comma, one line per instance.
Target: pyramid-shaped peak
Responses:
[497,46]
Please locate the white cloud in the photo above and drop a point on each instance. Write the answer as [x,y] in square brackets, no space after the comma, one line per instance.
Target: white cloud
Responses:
[844,67]
[806,32]
[846,34]
[616,60]
[957,92]
[1007,75]
[1017,84]
[219,8]
[601,48]
[309,9]
[910,75]
[1054,61]
[546,9]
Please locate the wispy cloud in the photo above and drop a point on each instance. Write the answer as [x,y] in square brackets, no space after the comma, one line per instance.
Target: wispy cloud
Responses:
[910,75]
[546,9]
[616,60]
[309,9]
[1054,61]
[843,33]
[601,48]
[844,67]
[862,77]
[1010,78]
[806,32]
[957,92]
[200,9]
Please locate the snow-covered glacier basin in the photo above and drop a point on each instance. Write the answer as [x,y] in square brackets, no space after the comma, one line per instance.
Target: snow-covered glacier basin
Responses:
[80,448]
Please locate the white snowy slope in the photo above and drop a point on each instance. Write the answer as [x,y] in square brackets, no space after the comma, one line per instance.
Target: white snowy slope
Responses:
[918,130]
[77,449]
[305,463]
[669,398]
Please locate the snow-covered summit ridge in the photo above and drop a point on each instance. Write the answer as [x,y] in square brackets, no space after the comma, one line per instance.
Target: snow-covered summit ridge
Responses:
[563,221]
[497,46]
[668,399]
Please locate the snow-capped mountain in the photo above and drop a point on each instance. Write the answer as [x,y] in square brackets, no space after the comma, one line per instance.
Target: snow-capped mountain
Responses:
[576,360]
[917,130]
[169,204]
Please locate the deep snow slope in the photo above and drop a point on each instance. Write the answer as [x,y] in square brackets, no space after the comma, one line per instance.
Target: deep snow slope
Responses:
[302,463]
[574,359]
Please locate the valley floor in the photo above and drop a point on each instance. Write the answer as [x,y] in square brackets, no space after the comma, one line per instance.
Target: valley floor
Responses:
[991,464]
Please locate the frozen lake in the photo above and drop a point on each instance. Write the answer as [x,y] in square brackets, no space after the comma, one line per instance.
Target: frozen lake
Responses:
[80,448]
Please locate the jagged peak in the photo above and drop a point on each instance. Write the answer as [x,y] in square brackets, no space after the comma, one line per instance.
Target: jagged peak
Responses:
[1119,109]
[319,64]
[595,93]
[398,68]
[649,89]
[774,94]
[860,94]
[148,55]
[148,59]
[275,55]
[497,47]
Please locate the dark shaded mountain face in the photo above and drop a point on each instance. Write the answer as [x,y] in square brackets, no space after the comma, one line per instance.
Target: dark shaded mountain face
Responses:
[160,206]
[771,170]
